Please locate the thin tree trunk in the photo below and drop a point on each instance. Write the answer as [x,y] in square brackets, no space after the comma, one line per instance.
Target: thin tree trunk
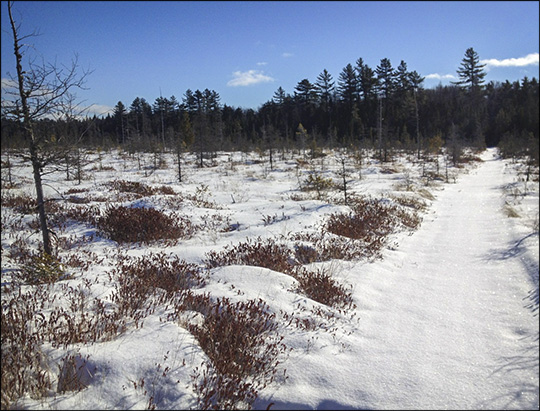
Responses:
[36,167]
[29,134]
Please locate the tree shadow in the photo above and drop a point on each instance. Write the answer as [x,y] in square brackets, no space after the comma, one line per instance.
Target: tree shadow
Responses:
[523,395]
[323,405]
[518,249]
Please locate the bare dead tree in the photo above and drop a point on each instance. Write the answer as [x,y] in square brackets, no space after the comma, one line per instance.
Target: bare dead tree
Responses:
[39,91]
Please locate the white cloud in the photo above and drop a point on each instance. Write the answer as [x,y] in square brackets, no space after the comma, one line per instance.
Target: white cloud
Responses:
[8,83]
[98,110]
[262,63]
[248,78]
[437,76]
[528,60]
[287,55]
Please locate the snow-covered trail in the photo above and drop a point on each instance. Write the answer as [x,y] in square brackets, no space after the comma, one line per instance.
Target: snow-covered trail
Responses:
[444,319]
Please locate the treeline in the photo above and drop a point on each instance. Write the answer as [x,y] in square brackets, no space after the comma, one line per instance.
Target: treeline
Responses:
[383,108]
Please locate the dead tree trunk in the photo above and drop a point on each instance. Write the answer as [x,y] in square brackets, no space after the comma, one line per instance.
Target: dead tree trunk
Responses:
[30,137]
[40,91]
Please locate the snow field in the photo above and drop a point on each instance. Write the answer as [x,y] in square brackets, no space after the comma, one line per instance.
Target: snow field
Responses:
[446,319]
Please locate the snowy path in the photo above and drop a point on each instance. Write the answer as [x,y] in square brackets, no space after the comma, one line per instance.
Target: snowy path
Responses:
[444,319]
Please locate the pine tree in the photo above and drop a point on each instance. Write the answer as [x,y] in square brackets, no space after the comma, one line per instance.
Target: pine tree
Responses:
[368,85]
[324,87]
[367,81]
[471,72]
[416,84]
[304,92]
[119,115]
[279,96]
[387,78]
[348,86]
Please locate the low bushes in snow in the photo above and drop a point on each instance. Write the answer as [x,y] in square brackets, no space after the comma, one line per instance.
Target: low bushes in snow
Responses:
[243,347]
[241,340]
[136,187]
[41,269]
[321,287]
[23,204]
[371,219]
[62,315]
[125,224]
[318,285]
[258,252]
[140,278]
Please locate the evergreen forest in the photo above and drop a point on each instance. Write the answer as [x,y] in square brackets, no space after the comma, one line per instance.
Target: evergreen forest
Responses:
[383,108]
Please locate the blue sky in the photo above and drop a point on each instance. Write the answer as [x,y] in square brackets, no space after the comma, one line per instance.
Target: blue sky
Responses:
[246,50]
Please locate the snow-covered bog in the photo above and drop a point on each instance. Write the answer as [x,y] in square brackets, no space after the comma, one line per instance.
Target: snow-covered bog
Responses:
[306,283]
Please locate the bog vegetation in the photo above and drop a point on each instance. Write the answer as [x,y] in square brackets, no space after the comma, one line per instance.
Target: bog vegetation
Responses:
[323,136]
[48,301]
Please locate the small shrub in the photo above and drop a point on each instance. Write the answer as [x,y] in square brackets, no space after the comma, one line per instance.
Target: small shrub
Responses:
[267,254]
[268,219]
[408,219]
[426,194]
[124,225]
[22,358]
[242,344]
[165,190]
[87,215]
[79,200]
[305,254]
[469,158]
[135,187]
[318,183]
[343,248]
[77,261]
[368,225]
[201,198]
[76,190]
[411,202]
[369,219]
[349,225]
[158,271]
[81,214]
[510,211]
[147,282]
[326,246]
[23,204]
[233,334]
[20,251]
[42,269]
[221,391]
[321,287]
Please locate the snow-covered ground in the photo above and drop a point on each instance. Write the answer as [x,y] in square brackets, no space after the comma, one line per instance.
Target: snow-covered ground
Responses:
[445,318]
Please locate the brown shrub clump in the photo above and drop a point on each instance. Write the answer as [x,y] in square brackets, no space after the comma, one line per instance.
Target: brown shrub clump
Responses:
[125,225]
[260,253]
[242,344]
[371,220]
[321,287]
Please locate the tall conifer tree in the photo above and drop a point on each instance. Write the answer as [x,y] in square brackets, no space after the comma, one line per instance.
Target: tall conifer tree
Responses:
[471,72]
